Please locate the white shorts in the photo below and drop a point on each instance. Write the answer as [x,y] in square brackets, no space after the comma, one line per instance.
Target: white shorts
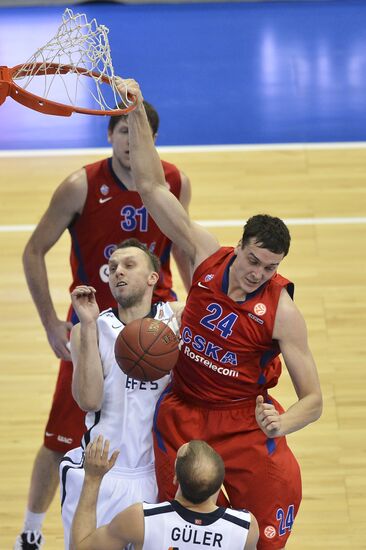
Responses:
[120,488]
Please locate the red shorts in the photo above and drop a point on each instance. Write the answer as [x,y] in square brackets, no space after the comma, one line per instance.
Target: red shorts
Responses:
[66,422]
[262,475]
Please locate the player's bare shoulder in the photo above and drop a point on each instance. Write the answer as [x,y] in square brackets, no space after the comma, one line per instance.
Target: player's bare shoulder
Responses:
[73,191]
[288,317]
[205,242]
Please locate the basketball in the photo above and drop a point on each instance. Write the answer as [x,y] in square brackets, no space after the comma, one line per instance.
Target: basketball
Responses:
[146,349]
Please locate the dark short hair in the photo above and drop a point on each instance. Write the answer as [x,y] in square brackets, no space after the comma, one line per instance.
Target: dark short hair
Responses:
[151,113]
[268,232]
[200,471]
[154,260]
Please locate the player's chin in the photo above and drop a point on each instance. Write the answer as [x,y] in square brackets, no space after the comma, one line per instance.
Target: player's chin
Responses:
[119,291]
[249,287]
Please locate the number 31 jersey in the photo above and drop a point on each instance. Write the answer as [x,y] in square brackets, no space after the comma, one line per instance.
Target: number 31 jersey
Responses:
[112,214]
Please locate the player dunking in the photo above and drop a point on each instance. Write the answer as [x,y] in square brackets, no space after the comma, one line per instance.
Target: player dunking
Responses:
[238,318]
[100,207]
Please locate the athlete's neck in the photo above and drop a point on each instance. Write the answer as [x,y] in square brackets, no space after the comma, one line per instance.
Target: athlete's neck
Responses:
[129,314]
[204,507]
[123,173]
[235,291]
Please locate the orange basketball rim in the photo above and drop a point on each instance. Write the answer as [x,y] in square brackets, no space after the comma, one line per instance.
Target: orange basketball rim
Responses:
[79,49]
[8,87]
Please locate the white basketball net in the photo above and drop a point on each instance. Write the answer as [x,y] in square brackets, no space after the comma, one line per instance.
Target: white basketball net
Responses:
[78,43]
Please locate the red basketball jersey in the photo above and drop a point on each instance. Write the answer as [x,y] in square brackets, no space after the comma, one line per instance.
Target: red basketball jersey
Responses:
[111,214]
[227,351]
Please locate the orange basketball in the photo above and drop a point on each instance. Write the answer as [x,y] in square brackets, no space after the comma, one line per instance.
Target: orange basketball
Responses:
[146,349]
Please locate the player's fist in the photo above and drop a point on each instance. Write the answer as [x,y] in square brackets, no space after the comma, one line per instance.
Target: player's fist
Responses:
[268,418]
[129,88]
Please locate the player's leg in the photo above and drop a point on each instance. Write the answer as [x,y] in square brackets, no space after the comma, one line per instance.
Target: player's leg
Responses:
[63,432]
[43,485]
[263,476]
[271,491]
[165,446]
[44,480]
[71,477]
[175,423]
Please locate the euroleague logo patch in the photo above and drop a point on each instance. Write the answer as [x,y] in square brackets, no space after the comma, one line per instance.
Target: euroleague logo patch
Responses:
[260,309]
[104,189]
[269,532]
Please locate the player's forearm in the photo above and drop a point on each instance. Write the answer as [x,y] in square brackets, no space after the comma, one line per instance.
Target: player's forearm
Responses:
[88,382]
[145,162]
[308,409]
[184,266]
[85,518]
[36,275]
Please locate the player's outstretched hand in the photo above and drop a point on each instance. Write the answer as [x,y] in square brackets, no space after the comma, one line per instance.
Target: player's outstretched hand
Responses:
[84,303]
[268,418]
[97,463]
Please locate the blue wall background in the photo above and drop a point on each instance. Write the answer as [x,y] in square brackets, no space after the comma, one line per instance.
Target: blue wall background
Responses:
[237,73]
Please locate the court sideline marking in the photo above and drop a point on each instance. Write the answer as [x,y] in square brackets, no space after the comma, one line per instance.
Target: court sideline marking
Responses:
[227,223]
[186,149]
[199,149]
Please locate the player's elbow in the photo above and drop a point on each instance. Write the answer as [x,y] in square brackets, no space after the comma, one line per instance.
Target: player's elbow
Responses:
[31,251]
[88,406]
[89,403]
[28,253]
[317,407]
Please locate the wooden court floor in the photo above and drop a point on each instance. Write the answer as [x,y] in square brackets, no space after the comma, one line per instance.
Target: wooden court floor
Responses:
[327,262]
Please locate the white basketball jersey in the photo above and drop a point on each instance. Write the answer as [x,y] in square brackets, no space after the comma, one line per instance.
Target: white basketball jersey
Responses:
[170,526]
[127,411]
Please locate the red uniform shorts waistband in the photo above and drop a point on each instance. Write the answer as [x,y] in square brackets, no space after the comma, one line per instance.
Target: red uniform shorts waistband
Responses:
[218,405]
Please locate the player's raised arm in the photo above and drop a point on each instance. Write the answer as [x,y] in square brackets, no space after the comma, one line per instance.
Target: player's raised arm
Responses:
[148,175]
[126,527]
[87,379]
[181,259]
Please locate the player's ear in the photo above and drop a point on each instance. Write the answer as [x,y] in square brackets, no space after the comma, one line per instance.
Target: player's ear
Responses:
[155,137]
[153,278]
[238,247]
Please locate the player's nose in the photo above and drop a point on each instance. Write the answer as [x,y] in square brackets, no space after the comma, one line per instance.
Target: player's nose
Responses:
[257,273]
[119,270]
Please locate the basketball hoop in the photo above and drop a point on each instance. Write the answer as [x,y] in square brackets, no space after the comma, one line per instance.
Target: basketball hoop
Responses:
[79,49]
